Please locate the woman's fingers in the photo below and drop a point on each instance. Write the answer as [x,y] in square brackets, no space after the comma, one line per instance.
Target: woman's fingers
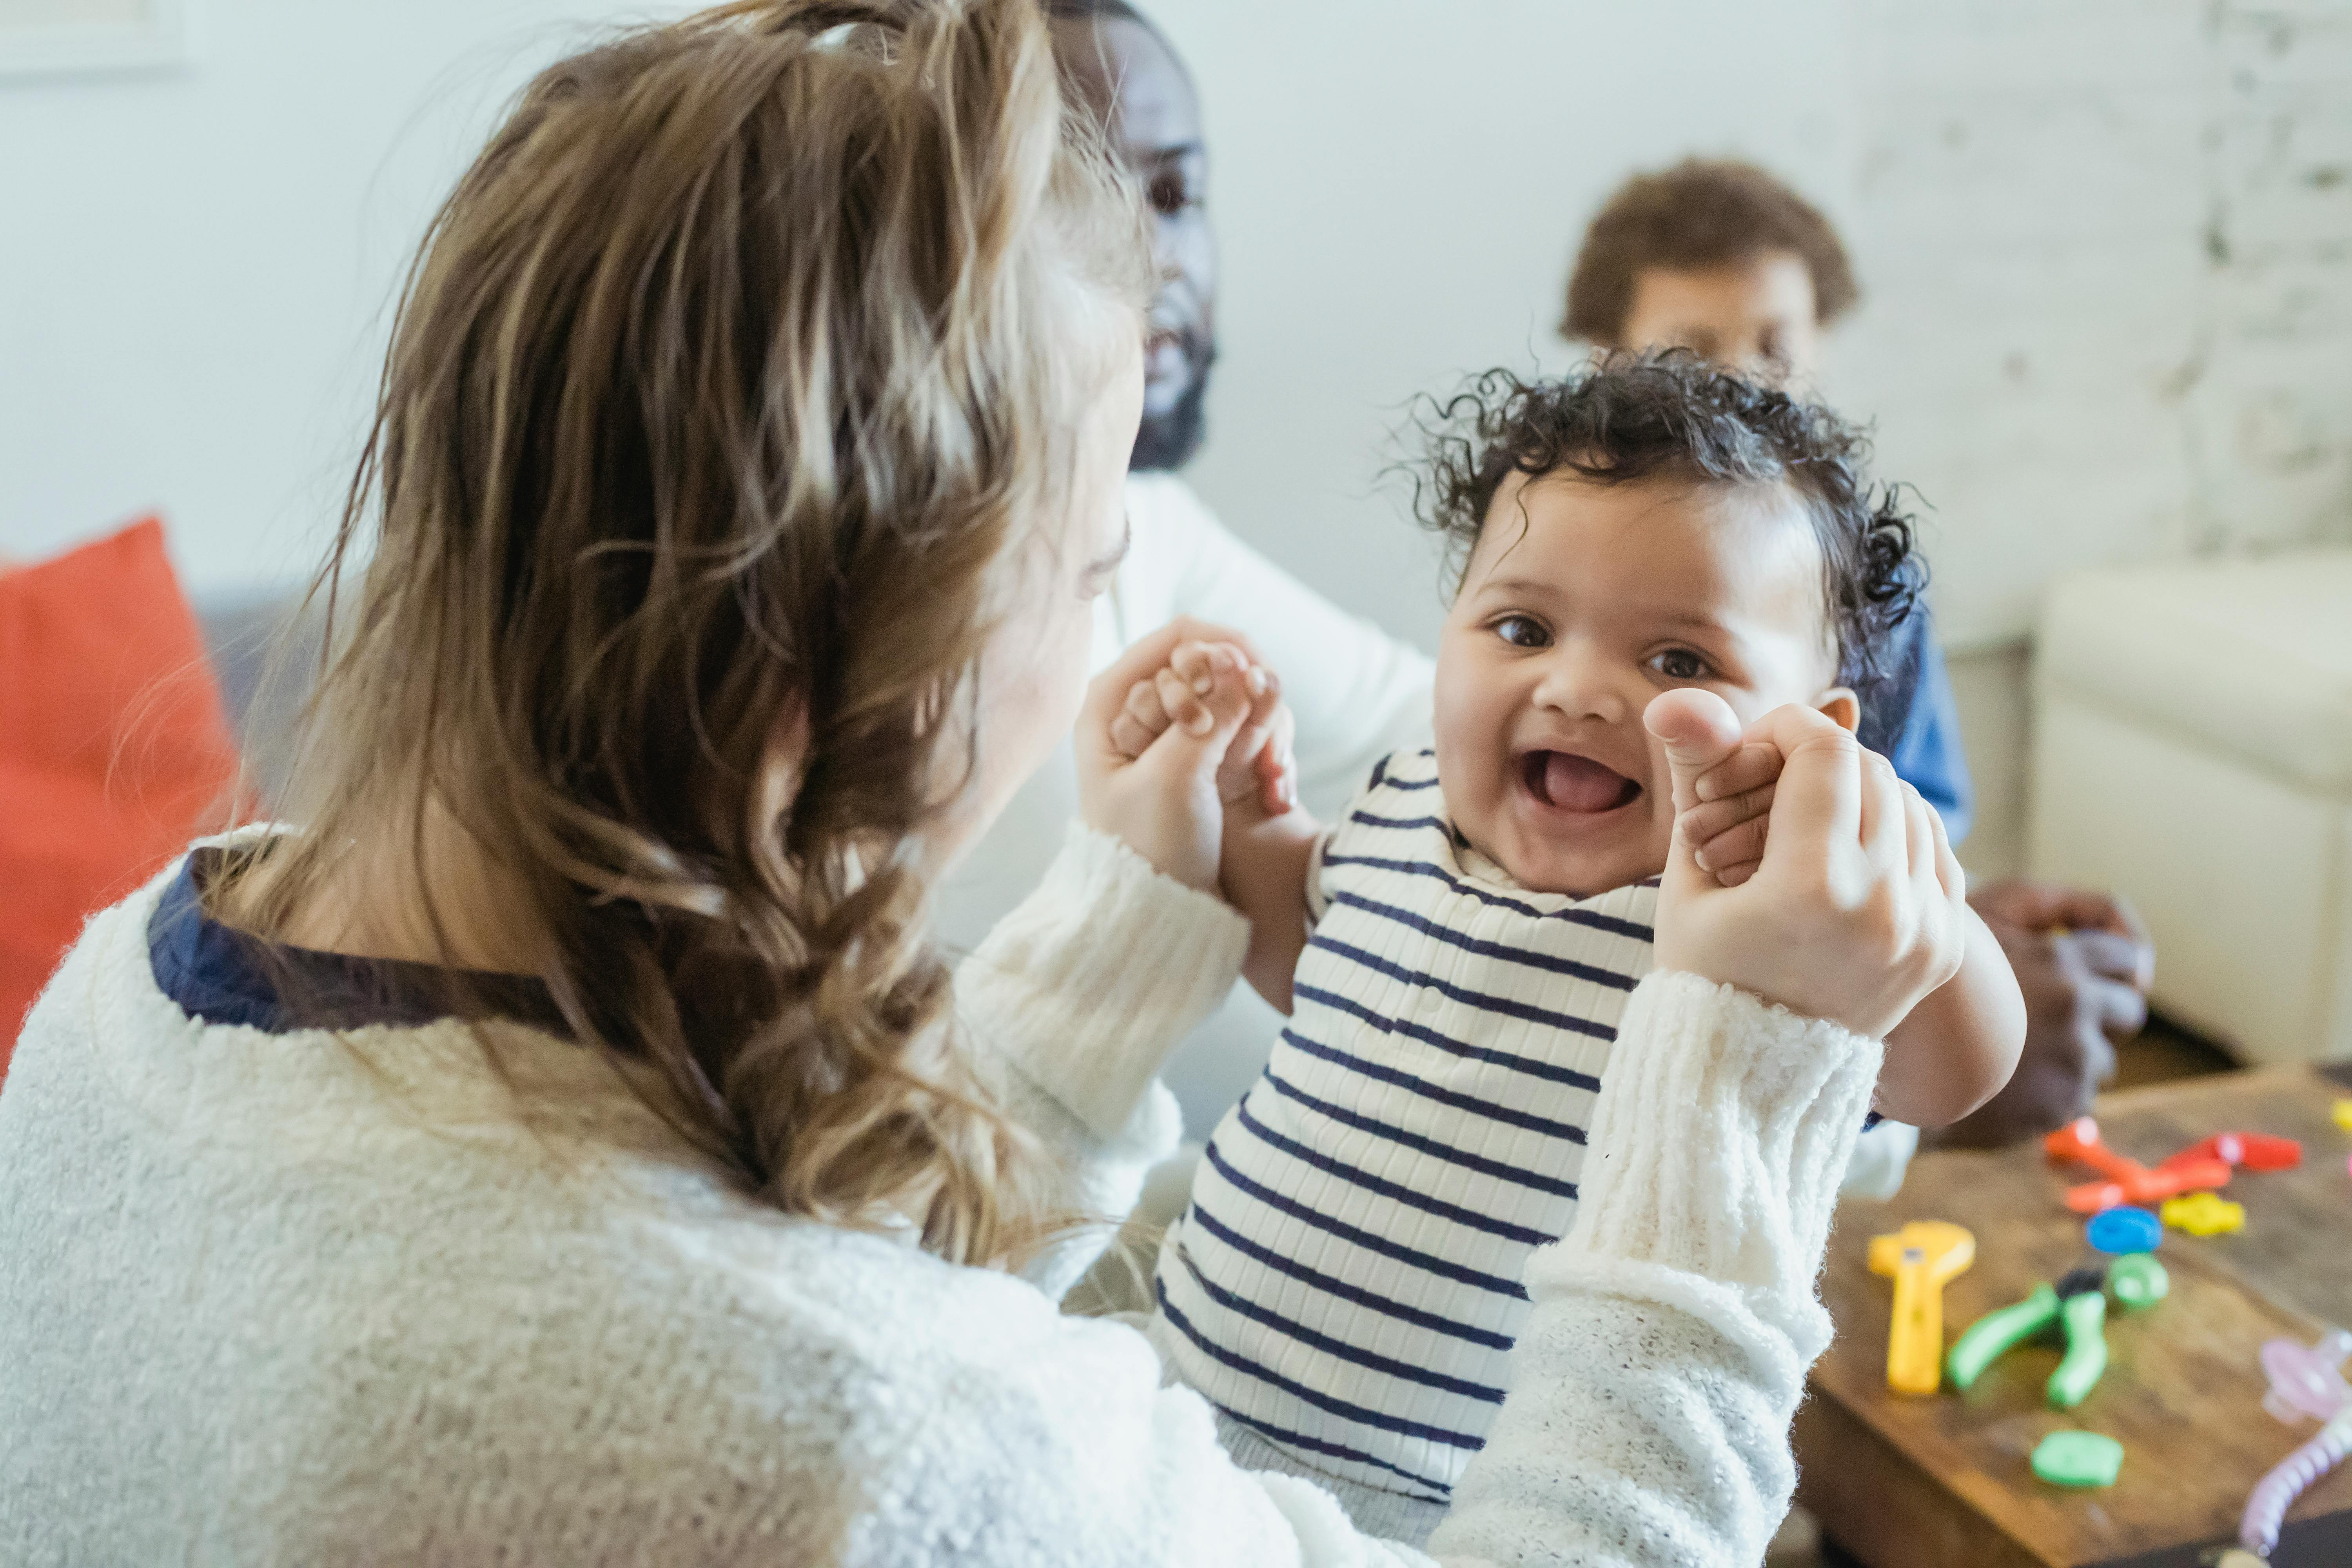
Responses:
[1143,659]
[1698,732]
[1739,845]
[1140,718]
[1948,872]
[1706,823]
[1885,826]
[1817,804]
[1186,709]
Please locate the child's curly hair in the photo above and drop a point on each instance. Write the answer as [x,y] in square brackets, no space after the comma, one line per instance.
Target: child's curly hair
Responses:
[1630,417]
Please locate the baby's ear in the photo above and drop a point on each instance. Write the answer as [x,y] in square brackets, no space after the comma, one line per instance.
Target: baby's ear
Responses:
[1844,707]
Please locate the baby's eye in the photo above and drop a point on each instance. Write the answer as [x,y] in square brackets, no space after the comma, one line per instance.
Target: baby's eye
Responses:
[1519,631]
[1679,664]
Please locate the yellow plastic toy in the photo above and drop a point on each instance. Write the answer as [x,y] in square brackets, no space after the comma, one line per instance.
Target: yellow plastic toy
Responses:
[2204,1213]
[2344,1114]
[1922,1258]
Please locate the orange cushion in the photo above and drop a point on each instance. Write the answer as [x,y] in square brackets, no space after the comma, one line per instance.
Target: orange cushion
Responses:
[114,748]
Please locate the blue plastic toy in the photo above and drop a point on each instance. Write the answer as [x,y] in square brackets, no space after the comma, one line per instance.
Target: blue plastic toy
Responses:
[2124,1229]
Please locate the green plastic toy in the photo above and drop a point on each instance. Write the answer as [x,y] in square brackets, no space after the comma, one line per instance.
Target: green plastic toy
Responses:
[2078,1459]
[2137,1282]
[2078,1308]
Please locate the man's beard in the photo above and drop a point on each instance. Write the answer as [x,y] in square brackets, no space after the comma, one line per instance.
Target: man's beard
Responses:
[1168,440]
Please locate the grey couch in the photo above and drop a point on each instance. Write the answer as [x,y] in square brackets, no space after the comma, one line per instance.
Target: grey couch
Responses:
[263,655]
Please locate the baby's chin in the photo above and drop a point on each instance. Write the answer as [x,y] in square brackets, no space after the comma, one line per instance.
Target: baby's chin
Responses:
[1582,870]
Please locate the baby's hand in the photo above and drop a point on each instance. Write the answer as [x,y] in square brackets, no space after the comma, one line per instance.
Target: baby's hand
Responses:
[1162,801]
[1724,782]
[1258,766]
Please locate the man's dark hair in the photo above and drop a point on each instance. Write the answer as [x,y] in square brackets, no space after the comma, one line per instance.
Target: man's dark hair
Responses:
[1699,214]
[1632,418]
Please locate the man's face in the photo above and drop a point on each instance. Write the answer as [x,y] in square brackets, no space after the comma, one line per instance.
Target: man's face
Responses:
[1757,317]
[1140,91]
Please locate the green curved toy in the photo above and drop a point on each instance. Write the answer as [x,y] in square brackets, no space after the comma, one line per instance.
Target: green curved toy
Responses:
[2085,1317]
[1997,1333]
[2078,1307]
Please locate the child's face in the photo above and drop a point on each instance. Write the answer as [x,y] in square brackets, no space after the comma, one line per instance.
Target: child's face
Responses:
[1757,317]
[1580,604]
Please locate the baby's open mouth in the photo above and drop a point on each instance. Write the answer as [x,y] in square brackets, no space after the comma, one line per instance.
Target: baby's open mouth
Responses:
[1568,782]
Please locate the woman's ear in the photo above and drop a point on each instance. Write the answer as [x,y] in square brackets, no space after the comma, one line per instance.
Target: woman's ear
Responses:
[1844,707]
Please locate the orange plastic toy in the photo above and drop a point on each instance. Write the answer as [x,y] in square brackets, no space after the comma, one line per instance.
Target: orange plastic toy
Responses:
[2129,1181]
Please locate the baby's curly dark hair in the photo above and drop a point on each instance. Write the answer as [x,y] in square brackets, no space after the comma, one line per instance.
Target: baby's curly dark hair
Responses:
[1629,417]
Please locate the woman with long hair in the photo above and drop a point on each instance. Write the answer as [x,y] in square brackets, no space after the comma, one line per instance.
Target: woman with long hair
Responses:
[558,1142]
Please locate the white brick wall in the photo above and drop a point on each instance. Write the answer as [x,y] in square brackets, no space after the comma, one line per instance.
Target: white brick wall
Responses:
[2106,247]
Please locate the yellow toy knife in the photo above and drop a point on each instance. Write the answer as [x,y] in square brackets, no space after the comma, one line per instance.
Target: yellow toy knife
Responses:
[1922,1257]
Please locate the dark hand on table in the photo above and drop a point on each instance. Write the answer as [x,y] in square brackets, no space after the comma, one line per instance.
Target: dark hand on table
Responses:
[2084,963]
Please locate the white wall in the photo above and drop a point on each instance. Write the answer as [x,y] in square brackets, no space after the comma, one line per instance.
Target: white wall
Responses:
[2106,250]
[195,268]
[1399,187]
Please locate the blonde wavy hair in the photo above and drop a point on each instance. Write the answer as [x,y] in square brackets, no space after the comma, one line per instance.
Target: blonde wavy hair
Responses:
[723,389]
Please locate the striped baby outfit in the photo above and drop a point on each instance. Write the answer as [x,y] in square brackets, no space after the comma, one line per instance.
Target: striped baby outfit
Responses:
[1345,1284]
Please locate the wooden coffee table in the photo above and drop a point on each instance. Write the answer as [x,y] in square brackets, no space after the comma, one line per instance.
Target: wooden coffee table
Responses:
[1943,1482]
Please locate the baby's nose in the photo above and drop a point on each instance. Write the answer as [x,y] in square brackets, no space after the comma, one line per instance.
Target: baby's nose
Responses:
[1580,685]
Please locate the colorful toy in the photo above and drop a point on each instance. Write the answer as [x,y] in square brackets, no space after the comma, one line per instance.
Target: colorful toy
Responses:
[2077,1306]
[2254,1150]
[2343,1114]
[2305,1381]
[2078,1459]
[2204,1213]
[2124,1230]
[1922,1257]
[2129,1181]
[2137,1282]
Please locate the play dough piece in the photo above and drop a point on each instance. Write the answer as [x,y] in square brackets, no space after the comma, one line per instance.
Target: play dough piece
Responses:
[2344,1114]
[2137,1282]
[2202,1214]
[2078,1459]
[2124,1230]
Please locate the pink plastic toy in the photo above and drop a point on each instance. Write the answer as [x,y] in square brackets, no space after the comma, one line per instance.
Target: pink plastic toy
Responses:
[2307,1381]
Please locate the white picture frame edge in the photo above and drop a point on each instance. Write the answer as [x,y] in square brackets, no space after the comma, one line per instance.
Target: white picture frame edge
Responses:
[160,43]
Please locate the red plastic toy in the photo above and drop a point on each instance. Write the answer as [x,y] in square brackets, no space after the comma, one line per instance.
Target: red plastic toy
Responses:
[2254,1150]
[2129,1181]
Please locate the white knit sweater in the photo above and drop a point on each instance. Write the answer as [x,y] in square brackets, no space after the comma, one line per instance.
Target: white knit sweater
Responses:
[281,1298]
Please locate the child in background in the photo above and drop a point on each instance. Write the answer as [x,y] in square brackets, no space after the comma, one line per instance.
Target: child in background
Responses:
[1649,537]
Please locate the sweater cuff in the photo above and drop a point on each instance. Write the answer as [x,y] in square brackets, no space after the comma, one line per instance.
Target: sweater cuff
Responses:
[1721,1133]
[1098,973]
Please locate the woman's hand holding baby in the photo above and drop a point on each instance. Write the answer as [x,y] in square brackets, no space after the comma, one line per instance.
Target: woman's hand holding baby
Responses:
[1162,792]
[1259,763]
[1854,911]
[1261,849]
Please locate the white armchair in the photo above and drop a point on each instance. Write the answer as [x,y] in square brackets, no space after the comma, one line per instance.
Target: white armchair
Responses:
[2193,751]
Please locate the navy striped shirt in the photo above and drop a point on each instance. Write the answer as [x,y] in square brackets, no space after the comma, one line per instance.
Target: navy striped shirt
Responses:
[1346,1281]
